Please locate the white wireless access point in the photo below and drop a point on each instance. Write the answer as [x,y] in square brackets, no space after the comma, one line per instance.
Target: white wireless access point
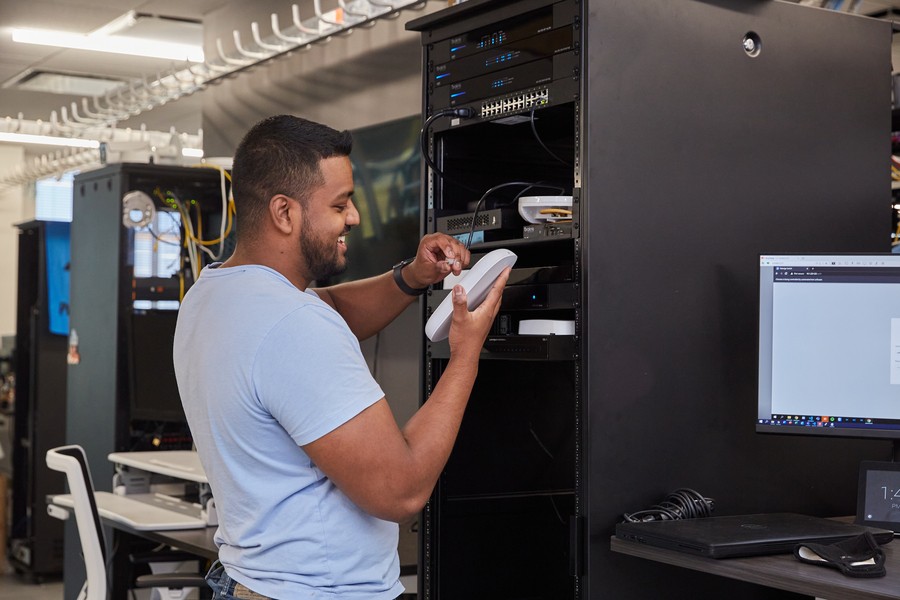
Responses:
[477,283]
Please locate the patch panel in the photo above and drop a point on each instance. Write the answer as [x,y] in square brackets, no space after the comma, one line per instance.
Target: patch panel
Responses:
[515,103]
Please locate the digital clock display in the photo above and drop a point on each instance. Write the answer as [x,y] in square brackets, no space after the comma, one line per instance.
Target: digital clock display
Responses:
[878,503]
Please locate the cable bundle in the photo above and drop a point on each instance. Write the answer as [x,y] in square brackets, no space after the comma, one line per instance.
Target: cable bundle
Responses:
[683,503]
[190,239]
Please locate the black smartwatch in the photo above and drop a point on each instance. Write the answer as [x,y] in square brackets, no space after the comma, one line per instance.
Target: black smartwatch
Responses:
[402,284]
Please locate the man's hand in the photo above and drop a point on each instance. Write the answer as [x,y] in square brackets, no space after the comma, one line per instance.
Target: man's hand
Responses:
[438,255]
[468,330]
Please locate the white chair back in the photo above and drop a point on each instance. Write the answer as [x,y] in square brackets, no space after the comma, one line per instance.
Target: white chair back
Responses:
[72,461]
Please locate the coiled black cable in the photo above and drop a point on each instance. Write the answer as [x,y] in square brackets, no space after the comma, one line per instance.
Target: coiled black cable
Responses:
[683,503]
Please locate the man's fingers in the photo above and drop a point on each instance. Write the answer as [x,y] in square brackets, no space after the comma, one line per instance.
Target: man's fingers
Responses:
[496,292]
[460,303]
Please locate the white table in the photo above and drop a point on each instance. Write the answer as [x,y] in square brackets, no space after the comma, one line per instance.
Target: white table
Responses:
[180,464]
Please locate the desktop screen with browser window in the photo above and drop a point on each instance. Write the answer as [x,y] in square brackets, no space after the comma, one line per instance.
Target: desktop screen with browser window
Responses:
[829,345]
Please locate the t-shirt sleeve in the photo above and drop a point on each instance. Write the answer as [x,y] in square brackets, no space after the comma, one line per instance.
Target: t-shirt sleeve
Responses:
[310,374]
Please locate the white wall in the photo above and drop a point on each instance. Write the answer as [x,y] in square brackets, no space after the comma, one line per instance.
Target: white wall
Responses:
[16,205]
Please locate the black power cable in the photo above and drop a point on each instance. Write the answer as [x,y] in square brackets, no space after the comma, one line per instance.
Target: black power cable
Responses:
[462,113]
[683,503]
[481,200]
[527,186]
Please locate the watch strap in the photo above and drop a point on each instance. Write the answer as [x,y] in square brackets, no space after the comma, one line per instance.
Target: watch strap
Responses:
[404,287]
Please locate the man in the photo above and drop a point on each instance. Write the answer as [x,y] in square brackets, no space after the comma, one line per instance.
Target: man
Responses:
[310,471]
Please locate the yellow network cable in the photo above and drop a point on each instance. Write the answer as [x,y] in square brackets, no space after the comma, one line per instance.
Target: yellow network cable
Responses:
[230,212]
[228,226]
[185,216]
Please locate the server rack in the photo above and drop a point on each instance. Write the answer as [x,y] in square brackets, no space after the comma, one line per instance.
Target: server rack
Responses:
[103,291]
[684,132]
[35,538]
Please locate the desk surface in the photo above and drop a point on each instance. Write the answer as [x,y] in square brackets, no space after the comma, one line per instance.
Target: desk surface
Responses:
[782,571]
[142,511]
[181,464]
[195,541]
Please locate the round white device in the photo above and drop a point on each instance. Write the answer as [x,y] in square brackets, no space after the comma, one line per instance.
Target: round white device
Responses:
[477,283]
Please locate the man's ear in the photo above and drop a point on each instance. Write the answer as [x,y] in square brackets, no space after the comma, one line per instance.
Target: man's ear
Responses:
[282,212]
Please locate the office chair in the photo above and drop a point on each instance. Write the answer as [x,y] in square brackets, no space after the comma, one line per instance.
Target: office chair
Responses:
[71,461]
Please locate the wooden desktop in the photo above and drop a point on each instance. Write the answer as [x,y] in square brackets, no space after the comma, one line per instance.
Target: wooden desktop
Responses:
[781,571]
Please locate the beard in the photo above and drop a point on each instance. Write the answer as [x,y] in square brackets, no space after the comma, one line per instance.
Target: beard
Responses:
[322,257]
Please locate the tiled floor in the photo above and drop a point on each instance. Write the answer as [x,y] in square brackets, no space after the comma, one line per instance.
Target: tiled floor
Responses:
[14,587]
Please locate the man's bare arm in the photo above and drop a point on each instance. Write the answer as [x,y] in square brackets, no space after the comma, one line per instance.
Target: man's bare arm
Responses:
[369,305]
[388,472]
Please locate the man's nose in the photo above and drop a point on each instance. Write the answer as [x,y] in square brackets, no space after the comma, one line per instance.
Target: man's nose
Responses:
[352,214]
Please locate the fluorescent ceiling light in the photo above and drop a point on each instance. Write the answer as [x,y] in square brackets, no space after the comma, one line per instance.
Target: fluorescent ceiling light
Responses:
[114,44]
[48,140]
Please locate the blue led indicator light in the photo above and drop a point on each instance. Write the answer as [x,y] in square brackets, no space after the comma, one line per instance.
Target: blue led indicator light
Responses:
[442,76]
[457,94]
[455,48]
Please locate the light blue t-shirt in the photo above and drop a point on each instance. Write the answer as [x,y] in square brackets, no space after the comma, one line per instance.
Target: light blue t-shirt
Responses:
[264,368]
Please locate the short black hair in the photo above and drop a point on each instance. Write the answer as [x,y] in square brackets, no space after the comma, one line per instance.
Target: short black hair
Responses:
[281,155]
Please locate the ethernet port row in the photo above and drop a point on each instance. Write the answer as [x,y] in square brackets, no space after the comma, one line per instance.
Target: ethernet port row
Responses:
[515,103]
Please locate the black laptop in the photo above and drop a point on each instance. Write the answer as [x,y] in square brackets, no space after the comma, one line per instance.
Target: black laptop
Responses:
[743,535]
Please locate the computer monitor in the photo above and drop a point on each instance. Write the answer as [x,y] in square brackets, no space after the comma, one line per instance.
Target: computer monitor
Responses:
[152,386]
[829,345]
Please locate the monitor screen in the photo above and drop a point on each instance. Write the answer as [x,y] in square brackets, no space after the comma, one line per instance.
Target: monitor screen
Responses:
[153,389]
[829,345]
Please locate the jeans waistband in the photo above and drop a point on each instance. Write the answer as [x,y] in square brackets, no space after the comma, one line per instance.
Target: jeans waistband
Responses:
[226,588]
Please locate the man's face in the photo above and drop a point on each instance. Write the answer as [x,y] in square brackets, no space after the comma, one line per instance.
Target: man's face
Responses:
[327,218]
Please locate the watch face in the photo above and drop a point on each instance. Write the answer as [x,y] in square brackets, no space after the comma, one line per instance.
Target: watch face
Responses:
[878,504]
